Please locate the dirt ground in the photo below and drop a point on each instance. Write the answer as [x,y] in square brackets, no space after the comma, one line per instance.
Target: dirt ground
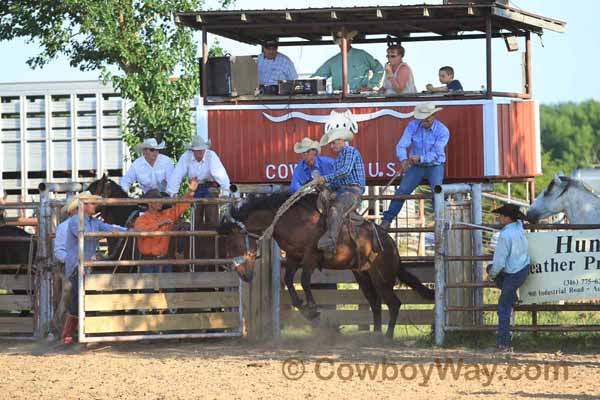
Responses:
[347,367]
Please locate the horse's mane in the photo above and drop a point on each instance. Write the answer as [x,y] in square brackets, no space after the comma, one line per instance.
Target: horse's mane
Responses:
[271,202]
[116,190]
[572,183]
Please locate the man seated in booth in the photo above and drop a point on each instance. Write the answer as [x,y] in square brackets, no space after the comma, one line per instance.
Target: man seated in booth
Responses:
[311,160]
[361,65]
[273,67]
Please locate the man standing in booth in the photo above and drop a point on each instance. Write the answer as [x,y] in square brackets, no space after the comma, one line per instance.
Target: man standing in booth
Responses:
[427,138]
[273,67]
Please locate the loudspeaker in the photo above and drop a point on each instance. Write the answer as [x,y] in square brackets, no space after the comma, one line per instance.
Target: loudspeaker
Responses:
[231,76]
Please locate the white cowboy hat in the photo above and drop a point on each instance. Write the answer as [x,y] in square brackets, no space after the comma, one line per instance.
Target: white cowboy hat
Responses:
[150,143]
[75,201]
[339,133]
[70,200]
[198,143]
[424,110]
[305,145]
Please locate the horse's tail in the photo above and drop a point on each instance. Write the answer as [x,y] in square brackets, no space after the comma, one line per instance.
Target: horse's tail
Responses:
[406,277]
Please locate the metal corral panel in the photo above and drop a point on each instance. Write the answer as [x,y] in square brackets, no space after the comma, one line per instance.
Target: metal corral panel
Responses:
[255,149]
[517,139]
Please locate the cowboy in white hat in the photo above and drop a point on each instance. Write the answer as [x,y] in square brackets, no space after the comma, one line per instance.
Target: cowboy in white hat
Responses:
[427,138]
[361,65]
[311,161]
[151,171]
[348,182]
[91,224]
[202,163]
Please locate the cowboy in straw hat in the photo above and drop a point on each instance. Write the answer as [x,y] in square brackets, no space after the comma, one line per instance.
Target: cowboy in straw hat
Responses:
[426,137]
[311,161]
[151,170]
[91,224]
[360,66]
[509,268]
[348,182]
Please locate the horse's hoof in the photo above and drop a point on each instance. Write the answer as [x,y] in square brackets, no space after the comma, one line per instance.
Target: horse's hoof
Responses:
[310,312]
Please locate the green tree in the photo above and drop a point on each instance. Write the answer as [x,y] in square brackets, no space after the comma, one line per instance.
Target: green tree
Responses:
[138,38]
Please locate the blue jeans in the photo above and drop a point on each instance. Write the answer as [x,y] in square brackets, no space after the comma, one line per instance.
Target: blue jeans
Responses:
[508,283]
[412,178]
[74,305]
[203,193]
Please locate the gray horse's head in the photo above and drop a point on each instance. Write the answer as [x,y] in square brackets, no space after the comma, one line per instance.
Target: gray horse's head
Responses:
[552,200]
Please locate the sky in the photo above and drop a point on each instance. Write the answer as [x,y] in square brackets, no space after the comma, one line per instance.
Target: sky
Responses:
[564,65]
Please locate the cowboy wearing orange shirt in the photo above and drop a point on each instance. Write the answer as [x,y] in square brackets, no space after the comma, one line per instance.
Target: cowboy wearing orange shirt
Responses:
[156,219]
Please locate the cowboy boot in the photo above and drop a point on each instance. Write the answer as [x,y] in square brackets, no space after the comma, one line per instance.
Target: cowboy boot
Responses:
[327,243]
[68,329]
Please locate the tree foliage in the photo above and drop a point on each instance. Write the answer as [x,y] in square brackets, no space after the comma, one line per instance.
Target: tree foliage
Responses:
[570,136]
[138,38]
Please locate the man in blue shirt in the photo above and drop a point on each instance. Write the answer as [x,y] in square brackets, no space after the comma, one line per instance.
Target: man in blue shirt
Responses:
[72,258]
[348,182]
[273,67]
[509,268]
[427,138]
[311,161]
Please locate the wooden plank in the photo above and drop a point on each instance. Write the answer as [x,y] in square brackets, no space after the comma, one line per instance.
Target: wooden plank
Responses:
[113,302]
[350,296]
[166,322]
[16,325]
[423,271]
[182,280]
[353,317]
[12,282]
[15,302]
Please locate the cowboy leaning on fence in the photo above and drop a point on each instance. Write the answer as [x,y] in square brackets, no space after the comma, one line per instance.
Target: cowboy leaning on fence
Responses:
[91,224]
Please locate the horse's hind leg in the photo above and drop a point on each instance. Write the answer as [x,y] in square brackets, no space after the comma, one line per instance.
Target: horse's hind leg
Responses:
[386,290]
[368,289]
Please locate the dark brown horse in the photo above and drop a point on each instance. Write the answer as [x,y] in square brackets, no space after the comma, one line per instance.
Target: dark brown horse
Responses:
[370,253]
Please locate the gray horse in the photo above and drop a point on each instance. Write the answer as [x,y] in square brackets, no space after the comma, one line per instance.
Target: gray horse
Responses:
[570,196]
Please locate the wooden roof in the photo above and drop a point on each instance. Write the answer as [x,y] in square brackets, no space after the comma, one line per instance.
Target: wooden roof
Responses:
[408,22]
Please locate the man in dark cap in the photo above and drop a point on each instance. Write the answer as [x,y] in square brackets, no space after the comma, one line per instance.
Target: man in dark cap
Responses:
[273,67]
[509,268]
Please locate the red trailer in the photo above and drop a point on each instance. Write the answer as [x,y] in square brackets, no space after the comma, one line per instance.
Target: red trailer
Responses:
[494,135]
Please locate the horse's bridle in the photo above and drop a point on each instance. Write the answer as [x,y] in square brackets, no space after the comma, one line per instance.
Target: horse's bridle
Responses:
[239,260]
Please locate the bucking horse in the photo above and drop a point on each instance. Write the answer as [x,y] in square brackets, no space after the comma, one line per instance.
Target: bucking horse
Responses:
[367,250]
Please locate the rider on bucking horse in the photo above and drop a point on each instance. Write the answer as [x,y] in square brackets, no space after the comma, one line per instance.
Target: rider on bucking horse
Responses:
[347,181]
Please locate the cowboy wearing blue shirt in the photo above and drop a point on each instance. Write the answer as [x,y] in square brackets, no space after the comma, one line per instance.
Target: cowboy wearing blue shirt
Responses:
[348,182]
[427,137]
[311,161]
[509,268]
[72,257]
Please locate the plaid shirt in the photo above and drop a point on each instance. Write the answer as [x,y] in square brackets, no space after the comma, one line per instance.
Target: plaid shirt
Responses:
[281,68]
[349,169]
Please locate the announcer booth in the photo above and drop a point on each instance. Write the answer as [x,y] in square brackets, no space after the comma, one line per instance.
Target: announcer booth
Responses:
[495,135]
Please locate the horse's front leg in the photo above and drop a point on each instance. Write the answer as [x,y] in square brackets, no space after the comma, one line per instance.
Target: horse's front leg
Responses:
[290,271]
[310,310]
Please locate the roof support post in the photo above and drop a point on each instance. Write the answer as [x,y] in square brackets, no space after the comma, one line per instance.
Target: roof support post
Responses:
[528,88]
[344,64]
[204,76]
[488,55]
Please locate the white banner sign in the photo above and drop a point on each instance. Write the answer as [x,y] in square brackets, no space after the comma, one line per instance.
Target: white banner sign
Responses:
[564,266]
